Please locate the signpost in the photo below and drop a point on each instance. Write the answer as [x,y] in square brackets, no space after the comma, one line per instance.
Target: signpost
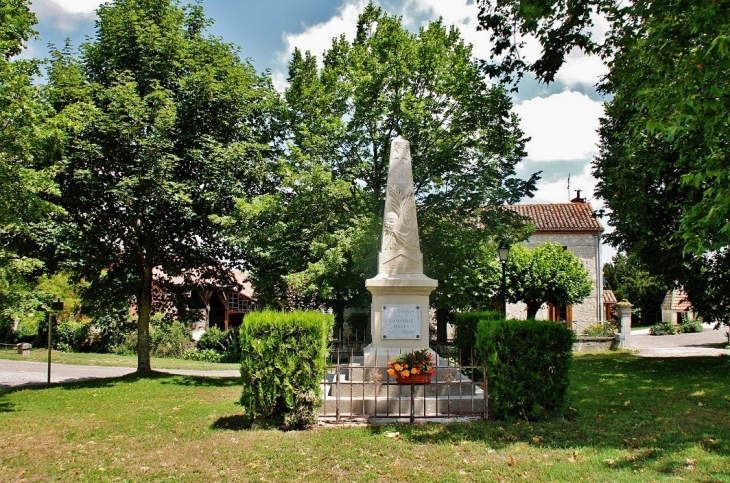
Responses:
[56,306]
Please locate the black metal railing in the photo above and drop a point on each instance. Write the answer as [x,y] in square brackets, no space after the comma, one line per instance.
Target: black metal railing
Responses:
[355,389]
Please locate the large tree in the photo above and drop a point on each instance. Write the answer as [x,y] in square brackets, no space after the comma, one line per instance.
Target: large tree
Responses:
[663,167]
[27,141]
[629,280]
[343,114]
[545,274]
[165,127]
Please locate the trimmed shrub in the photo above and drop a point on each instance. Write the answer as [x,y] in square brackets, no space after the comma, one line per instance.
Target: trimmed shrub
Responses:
[663,328]
[465,337]
[527,366]
[282,364]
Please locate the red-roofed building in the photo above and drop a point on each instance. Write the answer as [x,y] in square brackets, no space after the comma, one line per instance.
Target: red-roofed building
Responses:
[575,227]
[220,305]
[676,306]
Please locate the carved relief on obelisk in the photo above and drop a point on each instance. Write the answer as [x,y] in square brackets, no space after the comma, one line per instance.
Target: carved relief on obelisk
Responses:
[400,251]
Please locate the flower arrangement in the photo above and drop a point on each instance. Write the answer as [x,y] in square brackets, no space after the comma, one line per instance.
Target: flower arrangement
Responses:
[411,363]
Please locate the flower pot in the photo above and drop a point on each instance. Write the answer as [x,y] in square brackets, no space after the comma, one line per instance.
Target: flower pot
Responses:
[414,379]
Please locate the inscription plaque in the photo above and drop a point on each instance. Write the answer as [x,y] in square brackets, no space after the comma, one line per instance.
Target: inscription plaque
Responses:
[401,321]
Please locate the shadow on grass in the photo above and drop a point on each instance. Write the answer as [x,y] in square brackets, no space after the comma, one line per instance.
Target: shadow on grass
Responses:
[234,422]
[651,407]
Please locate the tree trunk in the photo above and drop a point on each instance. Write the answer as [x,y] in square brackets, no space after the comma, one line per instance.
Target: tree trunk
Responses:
[339,311]
[532,308]
[143,323]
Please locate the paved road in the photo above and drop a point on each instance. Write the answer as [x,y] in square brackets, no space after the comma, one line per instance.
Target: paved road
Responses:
[707,343]
[19,373]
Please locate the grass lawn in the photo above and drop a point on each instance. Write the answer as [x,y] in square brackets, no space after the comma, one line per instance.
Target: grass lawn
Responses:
[631,420]
[113,360]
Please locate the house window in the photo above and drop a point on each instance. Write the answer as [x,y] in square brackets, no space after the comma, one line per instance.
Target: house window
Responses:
[239,303]
[561,314]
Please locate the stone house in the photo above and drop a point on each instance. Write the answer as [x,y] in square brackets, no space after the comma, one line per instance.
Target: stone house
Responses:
[574,226]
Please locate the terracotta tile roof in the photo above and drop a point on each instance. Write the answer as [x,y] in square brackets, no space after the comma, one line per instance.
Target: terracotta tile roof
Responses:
[609,297]
[560,216]
[676,299]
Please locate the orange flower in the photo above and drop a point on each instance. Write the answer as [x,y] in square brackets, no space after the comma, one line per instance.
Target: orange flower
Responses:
[415,370]
[405,373]
[391,372]
[398,367]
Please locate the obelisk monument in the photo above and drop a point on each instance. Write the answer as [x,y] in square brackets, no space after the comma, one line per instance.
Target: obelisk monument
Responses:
[400,308]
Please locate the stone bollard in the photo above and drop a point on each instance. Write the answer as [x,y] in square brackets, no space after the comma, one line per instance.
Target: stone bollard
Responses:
[24,349]
[624,314]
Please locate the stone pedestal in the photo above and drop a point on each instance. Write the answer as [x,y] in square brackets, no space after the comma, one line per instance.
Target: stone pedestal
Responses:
[400,316]
[624,314]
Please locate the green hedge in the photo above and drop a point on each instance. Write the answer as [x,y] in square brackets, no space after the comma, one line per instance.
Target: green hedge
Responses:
[465,337]
[527,366]
[283,363]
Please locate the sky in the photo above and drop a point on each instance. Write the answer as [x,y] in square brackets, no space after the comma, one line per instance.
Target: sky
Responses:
[561,119]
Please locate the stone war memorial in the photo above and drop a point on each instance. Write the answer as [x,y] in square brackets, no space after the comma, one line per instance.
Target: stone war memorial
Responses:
[400,290]
[399,324]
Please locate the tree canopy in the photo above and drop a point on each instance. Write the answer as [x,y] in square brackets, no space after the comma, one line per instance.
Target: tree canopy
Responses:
[343,114]
[28,139]
[164,127]
[663,166]
[629,280]
[545,274]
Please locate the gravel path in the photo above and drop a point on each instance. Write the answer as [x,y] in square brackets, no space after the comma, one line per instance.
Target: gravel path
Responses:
[21,373]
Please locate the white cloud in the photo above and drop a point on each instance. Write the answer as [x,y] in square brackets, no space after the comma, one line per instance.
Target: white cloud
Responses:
[459,13]
[557,191]
[79,6]
[65,15]
[562,126]
[318,38]
[580,69]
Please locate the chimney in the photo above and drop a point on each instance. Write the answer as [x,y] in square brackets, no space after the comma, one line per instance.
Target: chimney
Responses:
[577,198]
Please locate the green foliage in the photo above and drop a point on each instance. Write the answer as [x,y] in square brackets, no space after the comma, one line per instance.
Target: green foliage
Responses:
[690,326]
[629,280]
[7,335]
[527,365]
[465,339]
[164,126]
[663,166]
[71,336]
[359,324]
[663,328]
[318,234]
[169,338]
[283,357]
[225,343]
[207,355]
[605,329]
[545,274]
